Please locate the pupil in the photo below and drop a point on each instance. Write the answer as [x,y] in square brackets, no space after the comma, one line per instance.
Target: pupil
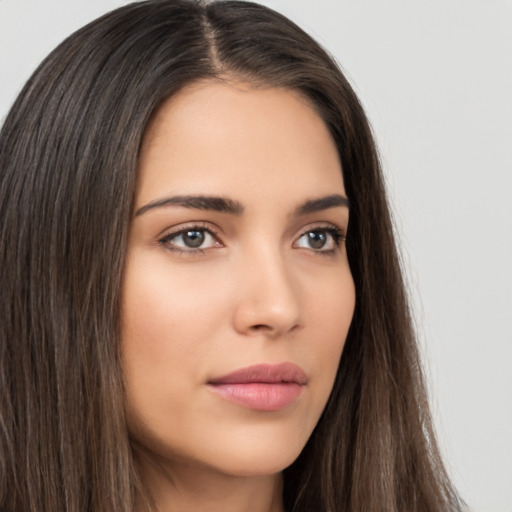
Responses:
[317,239]
[193,238]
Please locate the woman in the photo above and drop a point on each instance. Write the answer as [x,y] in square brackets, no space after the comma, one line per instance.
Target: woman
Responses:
[190,319]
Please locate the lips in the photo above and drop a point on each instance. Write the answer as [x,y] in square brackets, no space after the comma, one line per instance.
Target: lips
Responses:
[264,387]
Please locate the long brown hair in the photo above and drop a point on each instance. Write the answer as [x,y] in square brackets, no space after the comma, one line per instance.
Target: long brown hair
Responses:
[68,160]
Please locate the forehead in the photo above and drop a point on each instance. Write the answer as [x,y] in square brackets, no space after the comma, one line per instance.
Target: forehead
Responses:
[231,136]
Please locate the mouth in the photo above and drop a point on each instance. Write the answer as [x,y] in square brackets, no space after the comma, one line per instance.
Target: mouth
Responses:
[264,387]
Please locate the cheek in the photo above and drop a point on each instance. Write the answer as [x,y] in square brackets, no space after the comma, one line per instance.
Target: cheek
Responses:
[339,310]
[167,312]
[329,308]
[330,314]
[167,329]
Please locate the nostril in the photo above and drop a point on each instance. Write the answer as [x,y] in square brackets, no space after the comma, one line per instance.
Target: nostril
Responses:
[268,330]
[260,327]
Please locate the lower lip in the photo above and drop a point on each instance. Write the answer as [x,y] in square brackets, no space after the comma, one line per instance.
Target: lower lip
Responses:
[259,396]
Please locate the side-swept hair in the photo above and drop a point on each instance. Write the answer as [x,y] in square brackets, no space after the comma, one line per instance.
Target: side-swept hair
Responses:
[68,160]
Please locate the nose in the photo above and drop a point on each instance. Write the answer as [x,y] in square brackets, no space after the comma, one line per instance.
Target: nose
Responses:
[267,296]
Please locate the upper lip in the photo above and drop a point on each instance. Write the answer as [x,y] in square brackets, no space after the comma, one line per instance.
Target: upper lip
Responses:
[265,374]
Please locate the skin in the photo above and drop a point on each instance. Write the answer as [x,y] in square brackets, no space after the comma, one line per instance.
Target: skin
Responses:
[257,290]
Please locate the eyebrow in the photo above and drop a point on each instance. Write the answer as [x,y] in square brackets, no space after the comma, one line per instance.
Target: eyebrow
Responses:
[215,203]
[225,205]
[323,203]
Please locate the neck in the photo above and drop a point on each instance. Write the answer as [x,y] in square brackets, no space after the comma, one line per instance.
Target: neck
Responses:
[185,487]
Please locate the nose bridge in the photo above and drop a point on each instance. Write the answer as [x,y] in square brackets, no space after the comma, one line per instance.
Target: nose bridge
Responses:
[268,295]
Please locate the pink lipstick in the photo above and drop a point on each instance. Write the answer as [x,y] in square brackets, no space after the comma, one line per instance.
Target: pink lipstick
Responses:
[263,387]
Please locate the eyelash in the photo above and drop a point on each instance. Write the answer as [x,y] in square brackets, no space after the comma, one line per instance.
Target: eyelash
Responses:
[338,238]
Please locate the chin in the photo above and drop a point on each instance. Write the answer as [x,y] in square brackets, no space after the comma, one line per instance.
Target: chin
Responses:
[260,450]
[265,462]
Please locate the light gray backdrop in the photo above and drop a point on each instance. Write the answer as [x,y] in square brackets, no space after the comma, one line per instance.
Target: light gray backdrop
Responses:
[436,79]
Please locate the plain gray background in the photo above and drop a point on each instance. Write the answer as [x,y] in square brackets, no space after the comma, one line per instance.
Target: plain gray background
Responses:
[436,79]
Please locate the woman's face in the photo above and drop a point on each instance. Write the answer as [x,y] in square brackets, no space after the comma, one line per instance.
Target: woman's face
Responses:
[237,294]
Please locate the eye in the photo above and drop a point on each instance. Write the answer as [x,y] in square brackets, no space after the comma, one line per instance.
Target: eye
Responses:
[326,239]
[193,238]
